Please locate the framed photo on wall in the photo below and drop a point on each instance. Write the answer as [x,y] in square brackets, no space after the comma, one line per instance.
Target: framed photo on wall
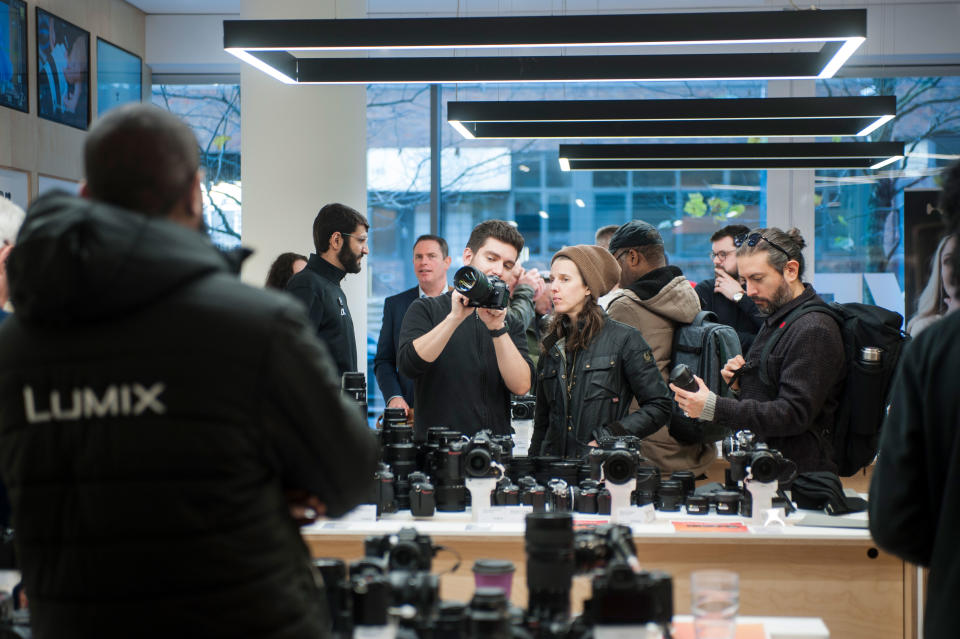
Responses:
[63,71]
[47,183]
[118,77]
[13,55]
[15,186]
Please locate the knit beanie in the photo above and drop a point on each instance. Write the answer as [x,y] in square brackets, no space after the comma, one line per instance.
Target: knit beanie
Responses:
[598,267]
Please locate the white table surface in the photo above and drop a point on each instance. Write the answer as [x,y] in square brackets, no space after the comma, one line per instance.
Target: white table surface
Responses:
[782,627]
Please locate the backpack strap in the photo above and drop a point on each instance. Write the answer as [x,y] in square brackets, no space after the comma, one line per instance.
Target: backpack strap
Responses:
[777,333]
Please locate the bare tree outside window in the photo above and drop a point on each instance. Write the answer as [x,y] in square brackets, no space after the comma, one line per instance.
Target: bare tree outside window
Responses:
[213,111]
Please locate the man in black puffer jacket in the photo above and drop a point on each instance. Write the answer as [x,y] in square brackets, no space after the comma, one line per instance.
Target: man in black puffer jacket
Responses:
[157,414]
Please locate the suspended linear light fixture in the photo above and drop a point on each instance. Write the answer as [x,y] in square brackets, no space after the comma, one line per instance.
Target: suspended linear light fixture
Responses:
[695,118]
[271,45]
[777,155]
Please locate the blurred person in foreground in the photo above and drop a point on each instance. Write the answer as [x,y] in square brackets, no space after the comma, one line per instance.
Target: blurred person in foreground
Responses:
[163,424]
[914,493]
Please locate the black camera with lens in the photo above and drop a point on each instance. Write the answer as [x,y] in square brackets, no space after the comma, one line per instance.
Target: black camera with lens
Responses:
[596,547]
[481,291]
[522,406]
[622,597]
[374,588]
[616,460]
[481,456]
[405,550]
[507,493]
[747,456]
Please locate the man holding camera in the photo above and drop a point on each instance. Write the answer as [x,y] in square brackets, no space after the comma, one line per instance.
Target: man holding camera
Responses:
[159,416]
[466,361]
[797,408]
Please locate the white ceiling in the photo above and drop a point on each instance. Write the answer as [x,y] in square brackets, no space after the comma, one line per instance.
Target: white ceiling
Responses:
[187,6]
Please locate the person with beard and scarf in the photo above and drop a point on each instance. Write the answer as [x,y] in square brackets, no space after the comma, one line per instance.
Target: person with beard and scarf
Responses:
[656,298]
[596,377]
[806,366]
[340,238]
[164,428]
[723,294]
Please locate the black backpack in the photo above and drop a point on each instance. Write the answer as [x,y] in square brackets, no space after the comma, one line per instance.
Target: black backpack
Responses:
[856,432]
[704,345]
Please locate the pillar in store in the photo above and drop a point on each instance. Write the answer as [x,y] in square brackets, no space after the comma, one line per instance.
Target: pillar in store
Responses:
[790,192]
[302,147]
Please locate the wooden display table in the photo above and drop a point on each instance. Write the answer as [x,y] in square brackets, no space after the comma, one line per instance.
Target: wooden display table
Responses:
[836,574]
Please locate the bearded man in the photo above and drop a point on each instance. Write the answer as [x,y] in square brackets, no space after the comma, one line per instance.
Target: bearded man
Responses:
[340,236]
[796,411]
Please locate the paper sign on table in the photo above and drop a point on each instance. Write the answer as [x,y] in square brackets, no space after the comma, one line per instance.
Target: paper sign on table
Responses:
[636,515]
[710,527]
[684,630]
[504,514]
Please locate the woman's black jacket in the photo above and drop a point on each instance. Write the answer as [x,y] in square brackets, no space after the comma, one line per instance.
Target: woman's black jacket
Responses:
[592,395]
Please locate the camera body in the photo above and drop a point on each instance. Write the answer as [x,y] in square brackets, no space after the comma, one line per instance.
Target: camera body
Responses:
[406,550]
[522,406]
[616,460]
[482,456]
[747,456]
[481,291]
[622,597]
[422,495]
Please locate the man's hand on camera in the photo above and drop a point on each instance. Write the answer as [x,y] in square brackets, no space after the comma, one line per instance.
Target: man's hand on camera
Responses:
[726,285]
[399,402]
[304,507]
[732,366]
[691,403]
[459,310]
[493,318]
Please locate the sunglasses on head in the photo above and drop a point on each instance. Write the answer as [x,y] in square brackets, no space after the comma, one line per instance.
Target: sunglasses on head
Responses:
[751,239]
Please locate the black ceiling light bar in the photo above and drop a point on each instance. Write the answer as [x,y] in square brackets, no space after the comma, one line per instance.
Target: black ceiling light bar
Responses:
[742,117]
[780,155]
[840,33]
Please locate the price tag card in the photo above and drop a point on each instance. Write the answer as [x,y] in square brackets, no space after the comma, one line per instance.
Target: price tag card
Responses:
[636,515]
[504,514]
[363,512]
[709,527]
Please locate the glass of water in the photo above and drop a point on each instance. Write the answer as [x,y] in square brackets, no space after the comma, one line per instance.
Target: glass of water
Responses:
[715,598]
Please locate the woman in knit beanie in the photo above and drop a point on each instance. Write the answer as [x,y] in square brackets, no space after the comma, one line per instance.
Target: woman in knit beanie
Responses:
[592,367]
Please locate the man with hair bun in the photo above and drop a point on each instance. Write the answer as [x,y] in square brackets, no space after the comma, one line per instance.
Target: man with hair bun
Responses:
[805,368]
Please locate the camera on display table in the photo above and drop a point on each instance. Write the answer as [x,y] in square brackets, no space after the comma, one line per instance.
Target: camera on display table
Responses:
[522,406]
[615,459]
[405,550]
[748,457]
[482,455]
[481,291]
[759,471]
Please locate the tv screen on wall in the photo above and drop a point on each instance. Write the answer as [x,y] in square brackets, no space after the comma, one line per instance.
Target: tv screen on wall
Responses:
[13,55]
[118,77]
[63,71]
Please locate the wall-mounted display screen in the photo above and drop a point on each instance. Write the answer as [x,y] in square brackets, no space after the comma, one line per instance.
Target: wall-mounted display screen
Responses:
[13,55]
[63,71]
[118,77]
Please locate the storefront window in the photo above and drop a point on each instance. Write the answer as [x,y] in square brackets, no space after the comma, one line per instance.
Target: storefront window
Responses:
[859,214]
[213,111]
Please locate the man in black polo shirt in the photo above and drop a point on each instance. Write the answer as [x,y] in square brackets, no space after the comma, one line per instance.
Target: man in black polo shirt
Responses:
[466,361]
[340,238]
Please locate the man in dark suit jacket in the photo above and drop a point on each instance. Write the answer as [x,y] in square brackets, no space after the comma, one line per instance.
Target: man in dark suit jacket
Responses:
[431,260]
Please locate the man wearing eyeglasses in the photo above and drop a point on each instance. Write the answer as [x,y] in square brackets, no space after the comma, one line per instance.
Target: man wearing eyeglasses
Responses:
[340,238]
[724,294]
[796,409]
